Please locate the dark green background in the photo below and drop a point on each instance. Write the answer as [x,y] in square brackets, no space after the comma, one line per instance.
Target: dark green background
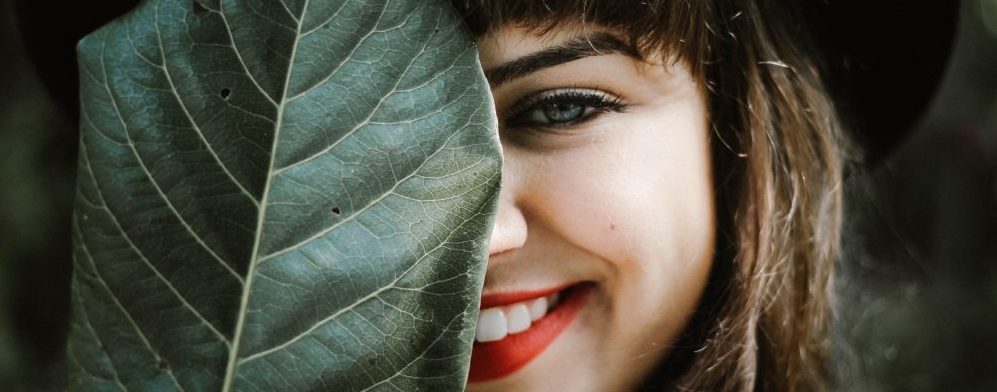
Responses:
[917,289]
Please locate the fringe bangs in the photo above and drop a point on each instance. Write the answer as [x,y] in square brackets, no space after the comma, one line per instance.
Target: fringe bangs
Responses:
[672,29]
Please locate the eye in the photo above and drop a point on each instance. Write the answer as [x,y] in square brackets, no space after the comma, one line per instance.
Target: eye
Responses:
[562,108]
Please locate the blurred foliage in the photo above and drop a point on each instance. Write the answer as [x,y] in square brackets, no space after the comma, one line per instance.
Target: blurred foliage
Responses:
[918,288]
[988,14]
[36,181]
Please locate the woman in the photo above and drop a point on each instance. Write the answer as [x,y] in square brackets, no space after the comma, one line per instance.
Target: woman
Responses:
[671,199]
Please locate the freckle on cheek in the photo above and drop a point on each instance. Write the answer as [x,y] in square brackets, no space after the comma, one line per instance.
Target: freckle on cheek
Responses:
[612,226]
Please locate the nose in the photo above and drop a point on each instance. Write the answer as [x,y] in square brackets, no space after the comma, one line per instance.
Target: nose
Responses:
[509,231]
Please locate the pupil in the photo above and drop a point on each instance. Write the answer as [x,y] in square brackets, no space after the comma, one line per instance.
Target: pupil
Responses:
[563,112]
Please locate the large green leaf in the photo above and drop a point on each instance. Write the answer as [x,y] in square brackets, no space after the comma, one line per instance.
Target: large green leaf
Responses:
[280,195]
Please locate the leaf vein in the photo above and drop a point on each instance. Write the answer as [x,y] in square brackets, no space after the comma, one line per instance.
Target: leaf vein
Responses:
[155,184]
[256,11]
[183,106]
[86,319]
[346,59]
[421,355]
[233,364]
[289,12]
[366,120]
[127,238]
[344,310]
[124,311]
[369,205]
[238,55]
[327,20]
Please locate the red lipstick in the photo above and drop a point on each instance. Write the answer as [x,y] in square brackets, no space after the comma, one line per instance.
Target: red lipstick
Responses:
[499,299]
[498,359]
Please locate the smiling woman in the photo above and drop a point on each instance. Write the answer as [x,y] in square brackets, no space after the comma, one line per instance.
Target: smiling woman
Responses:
[296,195]
[669,210]
[606,191]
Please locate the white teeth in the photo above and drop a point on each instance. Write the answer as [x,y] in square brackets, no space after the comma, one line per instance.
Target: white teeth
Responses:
[492,325]
[538,308]
[496,323]
[519,317]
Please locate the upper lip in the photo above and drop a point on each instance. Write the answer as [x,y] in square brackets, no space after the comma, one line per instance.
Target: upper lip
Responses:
[492,300]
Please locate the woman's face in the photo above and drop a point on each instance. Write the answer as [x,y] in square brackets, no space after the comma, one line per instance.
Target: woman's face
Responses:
[606,201]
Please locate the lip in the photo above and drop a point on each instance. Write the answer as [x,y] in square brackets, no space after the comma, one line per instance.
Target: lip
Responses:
[501,299]
[498,359]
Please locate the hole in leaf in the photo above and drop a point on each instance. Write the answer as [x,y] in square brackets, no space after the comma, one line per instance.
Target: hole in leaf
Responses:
[335,210]
[225,93]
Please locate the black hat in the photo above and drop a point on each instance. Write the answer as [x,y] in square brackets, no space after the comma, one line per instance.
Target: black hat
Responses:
[884,59]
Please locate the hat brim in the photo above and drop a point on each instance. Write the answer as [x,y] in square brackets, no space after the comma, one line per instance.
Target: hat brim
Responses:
[884,62]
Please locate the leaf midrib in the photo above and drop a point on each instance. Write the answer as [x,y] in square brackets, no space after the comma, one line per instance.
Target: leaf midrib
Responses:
[232,368]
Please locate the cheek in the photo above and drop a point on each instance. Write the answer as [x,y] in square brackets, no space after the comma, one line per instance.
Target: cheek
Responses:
[642,202]
[643,205]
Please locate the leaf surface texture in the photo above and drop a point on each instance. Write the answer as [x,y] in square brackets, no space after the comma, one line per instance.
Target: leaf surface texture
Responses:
[280,196]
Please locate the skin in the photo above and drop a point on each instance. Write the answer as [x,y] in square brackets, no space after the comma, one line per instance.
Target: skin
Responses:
[621,199]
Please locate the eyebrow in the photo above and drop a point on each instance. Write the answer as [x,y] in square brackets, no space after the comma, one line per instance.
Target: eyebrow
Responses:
[576,48]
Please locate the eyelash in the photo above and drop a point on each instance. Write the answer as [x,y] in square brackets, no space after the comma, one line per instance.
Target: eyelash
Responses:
[593,102]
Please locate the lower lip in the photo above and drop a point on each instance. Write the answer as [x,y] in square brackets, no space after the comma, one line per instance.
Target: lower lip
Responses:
[498,359]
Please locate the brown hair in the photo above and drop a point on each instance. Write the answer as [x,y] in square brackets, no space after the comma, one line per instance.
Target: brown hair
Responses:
[777,149]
